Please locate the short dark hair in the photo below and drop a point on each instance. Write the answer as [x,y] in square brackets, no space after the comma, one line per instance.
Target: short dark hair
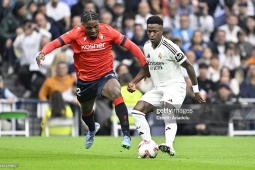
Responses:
[89,16]
[155,20]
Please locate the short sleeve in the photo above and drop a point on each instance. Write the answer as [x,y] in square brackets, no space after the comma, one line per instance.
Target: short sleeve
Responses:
[175,52]
[117,37]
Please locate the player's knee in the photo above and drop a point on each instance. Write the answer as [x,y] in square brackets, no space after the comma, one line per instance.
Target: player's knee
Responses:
[143,107]
[115,94]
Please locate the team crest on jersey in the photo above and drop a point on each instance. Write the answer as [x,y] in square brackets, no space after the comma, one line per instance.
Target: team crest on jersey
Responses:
[101,36]
[160,56]
[85,38]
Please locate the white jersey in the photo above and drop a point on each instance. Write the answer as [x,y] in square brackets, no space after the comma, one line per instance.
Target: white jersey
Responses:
[164,62]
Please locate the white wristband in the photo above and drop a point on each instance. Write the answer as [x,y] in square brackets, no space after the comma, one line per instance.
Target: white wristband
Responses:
[195,88]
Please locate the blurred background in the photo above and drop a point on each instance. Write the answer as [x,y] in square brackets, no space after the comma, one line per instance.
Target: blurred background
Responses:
[217,36]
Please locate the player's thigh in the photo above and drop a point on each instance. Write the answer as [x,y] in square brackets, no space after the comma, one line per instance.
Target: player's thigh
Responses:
[173,96]
[87,106]
[152,97]
[144,107]
[111,89]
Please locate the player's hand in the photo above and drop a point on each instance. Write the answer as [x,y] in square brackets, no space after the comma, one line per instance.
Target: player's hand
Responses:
[146,71]
[199,98]
[131,87]
[39,59]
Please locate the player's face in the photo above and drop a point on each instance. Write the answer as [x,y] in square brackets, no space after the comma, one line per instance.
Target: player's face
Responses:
[154,32]
[91,28]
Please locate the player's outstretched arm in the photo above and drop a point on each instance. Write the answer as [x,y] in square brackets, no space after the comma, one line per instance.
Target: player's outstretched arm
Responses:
[137,52]
[192,75]
[140,75]
[46,50]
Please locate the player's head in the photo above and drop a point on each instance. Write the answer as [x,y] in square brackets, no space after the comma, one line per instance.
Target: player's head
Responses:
[155,29]
[90,22]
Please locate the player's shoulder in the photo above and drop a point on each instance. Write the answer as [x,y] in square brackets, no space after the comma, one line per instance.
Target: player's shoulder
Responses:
[168,44]
[105,27]
[147,44]
[79,29]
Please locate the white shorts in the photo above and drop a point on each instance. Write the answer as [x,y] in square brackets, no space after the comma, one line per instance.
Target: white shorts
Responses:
[173,93]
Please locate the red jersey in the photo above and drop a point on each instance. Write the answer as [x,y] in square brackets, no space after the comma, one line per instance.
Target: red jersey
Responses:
[92,58]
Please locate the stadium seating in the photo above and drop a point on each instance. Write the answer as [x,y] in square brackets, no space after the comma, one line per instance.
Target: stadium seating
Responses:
[245,118]
[13,116]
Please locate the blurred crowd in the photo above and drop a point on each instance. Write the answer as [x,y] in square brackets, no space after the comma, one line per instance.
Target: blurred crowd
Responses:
[217,36]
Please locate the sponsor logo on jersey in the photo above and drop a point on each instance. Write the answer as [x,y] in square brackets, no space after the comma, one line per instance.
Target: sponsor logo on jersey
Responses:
[155,65]
[93,47]
[148,56]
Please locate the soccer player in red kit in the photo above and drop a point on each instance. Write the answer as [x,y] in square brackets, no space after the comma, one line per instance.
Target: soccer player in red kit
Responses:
[93,61]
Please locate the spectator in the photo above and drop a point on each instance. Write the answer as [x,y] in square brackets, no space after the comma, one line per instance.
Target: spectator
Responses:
[192,59]
[70,95]
[196,44]
[244,47]
[118,12]
[57,109]
[42,22]
[207,55]
[31,9]
[7,32]
[172,20]
[231,59]
[225,102]
[231,28]
[250,29]
[225,78]
[122,69]
[5,93]
[140,36]
[128,26]
[28,44]
[201,20]
[218,45]
[106,17]
[204,83]
[76,20]
[241,71]
[7,96]
[90,6]
[242,13]
[143,14]
[61,82]
[156,7]
[247,87]
[184,31]
[214,69]
[61,14]
[184,7]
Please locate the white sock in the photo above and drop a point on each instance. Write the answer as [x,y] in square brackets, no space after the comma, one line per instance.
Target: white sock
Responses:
[170,132]
[141,124]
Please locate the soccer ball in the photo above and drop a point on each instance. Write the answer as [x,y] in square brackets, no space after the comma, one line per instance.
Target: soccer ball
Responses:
[147,149]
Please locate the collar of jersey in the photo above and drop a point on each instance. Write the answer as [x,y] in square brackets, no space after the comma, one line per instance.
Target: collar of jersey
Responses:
[162,39]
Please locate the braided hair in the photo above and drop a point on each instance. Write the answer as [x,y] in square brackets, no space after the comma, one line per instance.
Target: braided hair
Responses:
[89,16]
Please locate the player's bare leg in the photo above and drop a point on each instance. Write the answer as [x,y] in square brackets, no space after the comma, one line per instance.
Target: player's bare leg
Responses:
[111,90]
[170,130]
[141,123]
[88,118]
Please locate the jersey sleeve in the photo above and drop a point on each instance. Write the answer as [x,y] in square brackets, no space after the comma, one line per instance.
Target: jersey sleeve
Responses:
[69,36]
[176,53]
[117,37]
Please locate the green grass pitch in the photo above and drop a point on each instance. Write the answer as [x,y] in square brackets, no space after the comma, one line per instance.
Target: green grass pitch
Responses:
[35,153]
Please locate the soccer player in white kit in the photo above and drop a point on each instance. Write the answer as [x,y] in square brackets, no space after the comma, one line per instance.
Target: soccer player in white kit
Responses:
[165,60]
